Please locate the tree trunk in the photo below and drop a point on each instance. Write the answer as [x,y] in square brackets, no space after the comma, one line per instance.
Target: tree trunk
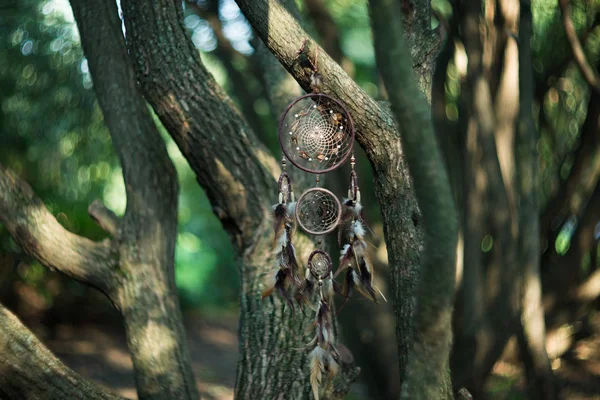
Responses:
[533,337]
[427,372]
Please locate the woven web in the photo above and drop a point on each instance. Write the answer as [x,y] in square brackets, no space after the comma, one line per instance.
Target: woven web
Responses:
[320,265]
[316,134]
[318,211]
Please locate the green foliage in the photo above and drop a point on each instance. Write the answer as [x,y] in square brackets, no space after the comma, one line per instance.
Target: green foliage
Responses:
[53,134]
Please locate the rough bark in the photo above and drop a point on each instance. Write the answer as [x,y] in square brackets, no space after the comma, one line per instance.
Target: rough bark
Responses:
[28,370]
[376,133]
[237,174]
[423,42]
[427,373]
[533,338]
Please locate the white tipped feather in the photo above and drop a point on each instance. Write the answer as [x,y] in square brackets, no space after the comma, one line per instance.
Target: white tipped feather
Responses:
[356,278]
[344,251]
[359,229]
[328,288]
[291,208]
[357,208]
[326,338]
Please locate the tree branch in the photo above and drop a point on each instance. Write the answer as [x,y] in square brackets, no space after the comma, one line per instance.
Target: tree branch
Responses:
[36,230]
[230,163]
[104,217]
[427,373]
[28,370]
[588,72]
[145,293]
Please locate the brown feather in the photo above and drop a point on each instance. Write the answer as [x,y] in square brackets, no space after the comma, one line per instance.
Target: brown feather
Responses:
[279,222]
[267,292]
[292,263]
[282,285]
[316,370]
[366,280]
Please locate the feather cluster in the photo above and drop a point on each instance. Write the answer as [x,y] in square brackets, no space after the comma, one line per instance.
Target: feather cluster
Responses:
[286,278]
[324,358]
[354,260]
[312,289]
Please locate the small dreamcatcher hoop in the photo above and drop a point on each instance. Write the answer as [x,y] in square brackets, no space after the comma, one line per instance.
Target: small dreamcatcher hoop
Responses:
[316,133]
[318,211]
[319,264]
[284,186]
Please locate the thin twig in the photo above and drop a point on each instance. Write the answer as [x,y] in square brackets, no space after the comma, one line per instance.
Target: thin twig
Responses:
[588,72]
[104,217]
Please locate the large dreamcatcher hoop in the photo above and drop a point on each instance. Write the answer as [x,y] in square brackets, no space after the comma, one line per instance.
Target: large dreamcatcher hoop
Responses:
[316,133]
[318,211]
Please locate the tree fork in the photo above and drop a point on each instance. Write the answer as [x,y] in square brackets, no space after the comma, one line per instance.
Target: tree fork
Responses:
[145,291]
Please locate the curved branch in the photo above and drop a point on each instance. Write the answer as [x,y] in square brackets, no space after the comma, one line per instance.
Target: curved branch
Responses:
[230,163]
[588,72]
[28,370]
[427,373]
[36,230]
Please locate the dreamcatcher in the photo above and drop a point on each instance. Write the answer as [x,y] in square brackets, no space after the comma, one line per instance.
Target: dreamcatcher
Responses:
[316,134]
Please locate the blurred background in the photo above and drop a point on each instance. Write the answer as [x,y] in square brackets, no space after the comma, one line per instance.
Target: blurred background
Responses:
[53,135]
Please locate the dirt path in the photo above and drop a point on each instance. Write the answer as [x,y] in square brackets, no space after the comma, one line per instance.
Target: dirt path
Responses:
[99,352]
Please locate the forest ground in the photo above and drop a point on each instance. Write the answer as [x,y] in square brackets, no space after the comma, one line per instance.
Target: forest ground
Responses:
[99,351]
